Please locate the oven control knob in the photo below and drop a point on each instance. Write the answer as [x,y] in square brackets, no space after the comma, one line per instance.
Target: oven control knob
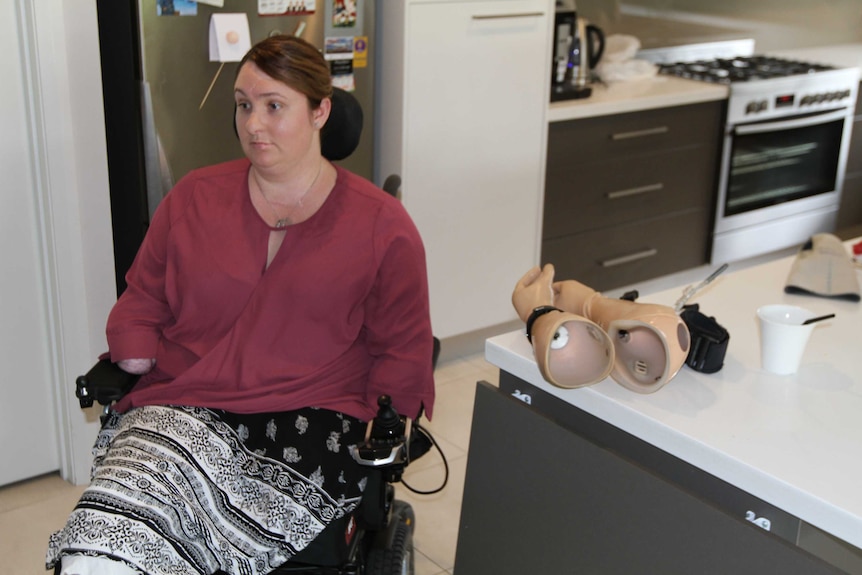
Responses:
[755,106]
[806,100]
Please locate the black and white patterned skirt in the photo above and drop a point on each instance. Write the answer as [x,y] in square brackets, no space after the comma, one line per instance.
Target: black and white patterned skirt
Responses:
[192,491]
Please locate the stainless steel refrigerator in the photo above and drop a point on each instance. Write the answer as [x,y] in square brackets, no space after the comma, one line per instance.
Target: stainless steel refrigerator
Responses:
[156,73]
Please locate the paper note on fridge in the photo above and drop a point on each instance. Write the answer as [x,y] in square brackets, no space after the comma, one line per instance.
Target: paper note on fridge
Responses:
[230,38]
[219,3]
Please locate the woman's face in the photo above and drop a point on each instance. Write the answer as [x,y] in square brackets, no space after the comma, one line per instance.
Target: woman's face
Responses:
[275,123]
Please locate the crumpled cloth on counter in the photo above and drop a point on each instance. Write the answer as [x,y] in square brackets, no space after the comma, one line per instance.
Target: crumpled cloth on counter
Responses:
[823,268]
[618,63]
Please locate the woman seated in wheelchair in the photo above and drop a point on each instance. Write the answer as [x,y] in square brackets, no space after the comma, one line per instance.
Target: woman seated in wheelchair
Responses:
[273,300]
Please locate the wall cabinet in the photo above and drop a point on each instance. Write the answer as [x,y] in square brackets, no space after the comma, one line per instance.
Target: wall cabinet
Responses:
[631,196]
[462,98]
[850,209]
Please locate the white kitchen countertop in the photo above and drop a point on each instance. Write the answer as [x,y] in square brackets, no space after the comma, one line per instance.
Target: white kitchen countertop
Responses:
[794,441]
[644,94]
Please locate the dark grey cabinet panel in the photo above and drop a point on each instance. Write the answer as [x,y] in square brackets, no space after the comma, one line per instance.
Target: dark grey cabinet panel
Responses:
[854,154]
[629,197]
[615,256]
[850,209]
[541,499]
[729,498]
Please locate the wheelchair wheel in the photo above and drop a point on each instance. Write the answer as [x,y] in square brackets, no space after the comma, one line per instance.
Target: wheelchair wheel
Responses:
[393,554]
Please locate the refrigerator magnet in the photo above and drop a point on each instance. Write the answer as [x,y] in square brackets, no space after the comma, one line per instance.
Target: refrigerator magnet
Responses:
[285,7]
[360,52]
[176,8]
[343,13]
[338,48]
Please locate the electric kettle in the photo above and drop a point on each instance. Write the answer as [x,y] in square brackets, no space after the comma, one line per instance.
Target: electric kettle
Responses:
[578,46]
[587,48]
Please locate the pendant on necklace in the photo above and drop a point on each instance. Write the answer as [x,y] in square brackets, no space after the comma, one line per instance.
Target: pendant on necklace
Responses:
[282,223]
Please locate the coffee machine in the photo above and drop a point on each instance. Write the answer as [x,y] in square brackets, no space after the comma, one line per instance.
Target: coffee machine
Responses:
[578,46]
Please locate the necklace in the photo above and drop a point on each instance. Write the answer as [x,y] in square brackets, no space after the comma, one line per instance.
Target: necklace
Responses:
[281,223]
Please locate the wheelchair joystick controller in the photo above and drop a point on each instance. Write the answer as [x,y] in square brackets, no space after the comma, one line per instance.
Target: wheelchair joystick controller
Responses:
[387,424]
[386,439]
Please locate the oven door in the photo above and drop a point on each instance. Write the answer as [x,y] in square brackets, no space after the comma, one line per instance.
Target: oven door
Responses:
[780,168]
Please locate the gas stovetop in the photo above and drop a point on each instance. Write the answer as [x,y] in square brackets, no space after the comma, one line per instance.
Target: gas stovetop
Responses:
[760,87]
[740,69]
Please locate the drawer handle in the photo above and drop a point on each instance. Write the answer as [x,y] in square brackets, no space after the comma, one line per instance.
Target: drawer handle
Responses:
[512,15]
[629,258]
[635,191]
[640,133]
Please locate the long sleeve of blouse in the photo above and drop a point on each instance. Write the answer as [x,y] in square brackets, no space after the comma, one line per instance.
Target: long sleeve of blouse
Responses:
[340,316]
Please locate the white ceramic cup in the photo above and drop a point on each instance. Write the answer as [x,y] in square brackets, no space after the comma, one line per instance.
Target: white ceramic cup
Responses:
[783,337]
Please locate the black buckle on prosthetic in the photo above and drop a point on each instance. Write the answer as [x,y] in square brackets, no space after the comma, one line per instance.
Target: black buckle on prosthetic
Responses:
[536,314]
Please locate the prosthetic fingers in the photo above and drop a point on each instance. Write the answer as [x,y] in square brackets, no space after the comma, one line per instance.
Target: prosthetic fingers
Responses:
[571,350]
[579,337]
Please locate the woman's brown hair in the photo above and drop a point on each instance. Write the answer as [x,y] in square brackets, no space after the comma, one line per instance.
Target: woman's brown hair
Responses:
[295,62]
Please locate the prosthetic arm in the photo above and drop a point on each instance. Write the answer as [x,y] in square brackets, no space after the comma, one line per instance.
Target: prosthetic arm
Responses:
[571,350]
[650,341]
[579,337]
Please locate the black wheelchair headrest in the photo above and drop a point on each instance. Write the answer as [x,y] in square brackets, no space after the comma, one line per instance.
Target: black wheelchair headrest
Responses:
[340,135]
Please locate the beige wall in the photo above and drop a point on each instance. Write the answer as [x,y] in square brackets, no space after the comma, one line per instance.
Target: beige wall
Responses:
[774,24]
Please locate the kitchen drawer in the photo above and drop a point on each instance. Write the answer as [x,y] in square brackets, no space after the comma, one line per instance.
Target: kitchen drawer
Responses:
[617,136]
[610,192]
[620,255]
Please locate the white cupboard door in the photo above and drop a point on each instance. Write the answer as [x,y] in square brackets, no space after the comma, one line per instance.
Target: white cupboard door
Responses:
[475,81]
[27,422]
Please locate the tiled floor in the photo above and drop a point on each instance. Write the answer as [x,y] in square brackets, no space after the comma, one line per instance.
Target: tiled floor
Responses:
[30,511]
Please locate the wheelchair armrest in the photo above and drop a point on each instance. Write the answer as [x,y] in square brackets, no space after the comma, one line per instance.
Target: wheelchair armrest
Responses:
[105,383]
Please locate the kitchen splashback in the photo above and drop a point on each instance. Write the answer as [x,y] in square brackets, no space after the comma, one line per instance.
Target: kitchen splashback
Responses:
[773,24]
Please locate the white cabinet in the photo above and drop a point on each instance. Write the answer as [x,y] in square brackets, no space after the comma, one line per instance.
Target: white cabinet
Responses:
[462,97]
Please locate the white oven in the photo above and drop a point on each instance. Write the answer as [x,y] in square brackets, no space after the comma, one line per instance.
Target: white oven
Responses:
[784,149]
[783,161]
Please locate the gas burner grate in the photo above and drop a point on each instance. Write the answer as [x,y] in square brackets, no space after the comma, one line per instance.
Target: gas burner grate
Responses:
[741,69]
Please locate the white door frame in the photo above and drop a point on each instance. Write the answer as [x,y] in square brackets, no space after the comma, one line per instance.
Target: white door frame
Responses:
[61,50]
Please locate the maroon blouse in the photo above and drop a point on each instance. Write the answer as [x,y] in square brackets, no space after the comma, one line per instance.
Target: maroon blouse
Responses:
[340,316]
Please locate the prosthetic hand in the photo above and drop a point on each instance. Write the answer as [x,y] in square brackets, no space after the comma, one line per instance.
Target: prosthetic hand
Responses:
[571,350]
[650,341]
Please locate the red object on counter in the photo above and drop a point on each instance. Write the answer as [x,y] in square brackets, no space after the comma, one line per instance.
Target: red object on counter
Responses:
[857,249]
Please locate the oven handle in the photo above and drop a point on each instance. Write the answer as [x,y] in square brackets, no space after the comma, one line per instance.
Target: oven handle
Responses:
[791,124]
